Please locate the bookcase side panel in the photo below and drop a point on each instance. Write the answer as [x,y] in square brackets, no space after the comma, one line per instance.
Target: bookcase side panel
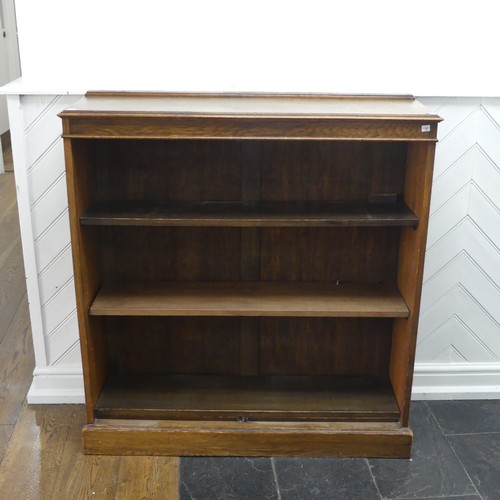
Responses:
[81,184]
[410,272]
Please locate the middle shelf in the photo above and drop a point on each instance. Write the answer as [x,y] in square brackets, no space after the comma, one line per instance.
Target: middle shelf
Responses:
[248,214]
[248,299]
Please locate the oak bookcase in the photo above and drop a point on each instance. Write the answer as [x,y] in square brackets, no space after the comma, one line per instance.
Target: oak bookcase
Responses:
[248,270]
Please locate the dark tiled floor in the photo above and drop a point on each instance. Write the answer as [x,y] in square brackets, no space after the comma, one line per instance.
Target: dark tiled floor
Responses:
[456,455]
[324,478]
[434,470]
[209,478]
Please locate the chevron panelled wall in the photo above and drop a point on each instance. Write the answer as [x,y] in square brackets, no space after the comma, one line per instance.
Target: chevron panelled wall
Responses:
[459,329]
[458,352]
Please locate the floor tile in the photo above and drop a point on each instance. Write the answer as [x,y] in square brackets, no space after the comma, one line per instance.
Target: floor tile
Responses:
[241,478]
[467,417]
[461,497]
[434,469]
[480,455]
[324,478]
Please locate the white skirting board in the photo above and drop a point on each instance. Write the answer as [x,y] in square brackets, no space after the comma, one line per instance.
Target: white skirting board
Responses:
[431,381]
[456,381]
[56,385]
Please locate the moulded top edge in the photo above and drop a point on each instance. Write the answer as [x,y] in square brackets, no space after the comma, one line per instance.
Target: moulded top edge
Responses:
[250,106]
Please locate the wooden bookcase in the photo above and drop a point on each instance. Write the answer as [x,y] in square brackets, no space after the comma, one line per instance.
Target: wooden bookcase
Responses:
[248,270]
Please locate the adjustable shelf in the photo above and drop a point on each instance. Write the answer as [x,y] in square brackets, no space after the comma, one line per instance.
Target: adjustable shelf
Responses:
[248,270]
[248,299]
[249,214]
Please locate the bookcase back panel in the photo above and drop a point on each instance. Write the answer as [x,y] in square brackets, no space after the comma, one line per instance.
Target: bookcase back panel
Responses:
[325,346]
[326,171]
[367,255]
[219,170]
[173,254]
[169,170]
[173,345]
[286,346]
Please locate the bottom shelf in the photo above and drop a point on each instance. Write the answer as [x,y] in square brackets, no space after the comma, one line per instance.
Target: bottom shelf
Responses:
[264,398]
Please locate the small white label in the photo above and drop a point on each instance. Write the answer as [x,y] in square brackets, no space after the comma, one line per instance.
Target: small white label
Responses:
[426,128]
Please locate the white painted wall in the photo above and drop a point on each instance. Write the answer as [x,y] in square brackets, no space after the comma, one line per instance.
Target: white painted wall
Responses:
[43,215]
[424,47]
[458,351]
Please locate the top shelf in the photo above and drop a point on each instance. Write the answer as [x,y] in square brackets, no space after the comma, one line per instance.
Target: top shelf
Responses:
[237,214]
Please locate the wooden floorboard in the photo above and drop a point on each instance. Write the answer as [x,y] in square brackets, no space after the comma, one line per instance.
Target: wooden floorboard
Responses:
[7,188]
[148,477]
[9,221]
[41,452]
[83,476]
[16,365]
[8,206]
[45,460]
[7,159]
[12,283]
[7,244]
[12,287]
[5,433]
[33,457]
[16,346]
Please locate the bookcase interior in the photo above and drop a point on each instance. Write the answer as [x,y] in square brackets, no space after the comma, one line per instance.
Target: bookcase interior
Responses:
[321,355]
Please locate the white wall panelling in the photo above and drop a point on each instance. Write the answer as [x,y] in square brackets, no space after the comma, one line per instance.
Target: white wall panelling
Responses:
[458,352]
[41,186]
[25,225]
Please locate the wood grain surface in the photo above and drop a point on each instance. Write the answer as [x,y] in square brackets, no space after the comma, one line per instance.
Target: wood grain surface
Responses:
[410,273]
[251,104]
[299,439]
[237,214]
[45,459]
[5,433]
[12,284]
[154,478]
[16,364]
[250,117]
[79,179]
[16,347]
[248,299]
[37,443]
[82,476]
[331,398]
